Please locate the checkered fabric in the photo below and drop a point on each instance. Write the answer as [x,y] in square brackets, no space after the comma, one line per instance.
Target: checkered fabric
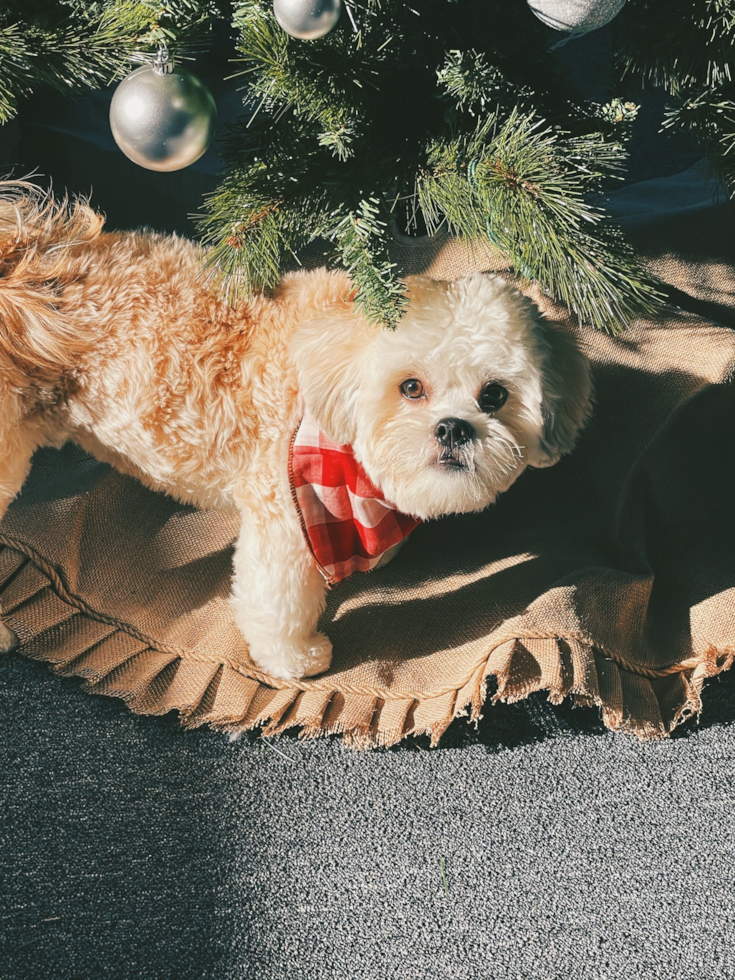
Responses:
[346,521]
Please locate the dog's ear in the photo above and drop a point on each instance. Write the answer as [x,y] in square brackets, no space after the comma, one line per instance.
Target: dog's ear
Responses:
[566,399]
[330,352]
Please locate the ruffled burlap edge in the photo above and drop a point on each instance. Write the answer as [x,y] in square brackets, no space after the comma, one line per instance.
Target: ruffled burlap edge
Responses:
[116,659]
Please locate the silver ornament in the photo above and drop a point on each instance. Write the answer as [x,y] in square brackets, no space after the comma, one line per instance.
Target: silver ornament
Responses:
[577,16]
[162,116]
[307,19]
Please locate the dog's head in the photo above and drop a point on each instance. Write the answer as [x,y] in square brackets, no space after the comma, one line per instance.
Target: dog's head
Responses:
[446,411]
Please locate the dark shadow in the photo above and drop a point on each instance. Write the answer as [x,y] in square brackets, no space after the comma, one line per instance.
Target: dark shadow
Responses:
[420,626]
[57,474]
[677,516]
[720,313]
[188,559]
[118,846]
[699,235]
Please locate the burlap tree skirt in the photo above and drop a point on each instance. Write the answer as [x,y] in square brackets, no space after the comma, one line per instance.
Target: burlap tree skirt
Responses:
[609,577]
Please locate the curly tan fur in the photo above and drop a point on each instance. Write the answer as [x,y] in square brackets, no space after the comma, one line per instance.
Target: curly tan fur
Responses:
[113,340]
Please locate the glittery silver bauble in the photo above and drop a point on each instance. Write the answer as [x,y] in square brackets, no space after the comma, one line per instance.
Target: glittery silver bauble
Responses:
[307,19]
[577,16]
[162,117]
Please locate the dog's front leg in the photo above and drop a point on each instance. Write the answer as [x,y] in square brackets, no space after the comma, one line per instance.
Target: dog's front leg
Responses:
[277,592]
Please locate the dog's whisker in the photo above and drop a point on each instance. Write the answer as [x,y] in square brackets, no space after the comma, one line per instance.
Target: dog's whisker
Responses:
[507,454]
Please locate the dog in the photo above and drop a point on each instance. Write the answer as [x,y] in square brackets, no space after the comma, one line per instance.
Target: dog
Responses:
[114,341]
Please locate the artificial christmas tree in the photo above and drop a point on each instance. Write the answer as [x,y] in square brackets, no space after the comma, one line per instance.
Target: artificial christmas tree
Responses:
[410,118]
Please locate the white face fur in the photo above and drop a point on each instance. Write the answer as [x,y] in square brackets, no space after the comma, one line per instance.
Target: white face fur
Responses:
[446,411]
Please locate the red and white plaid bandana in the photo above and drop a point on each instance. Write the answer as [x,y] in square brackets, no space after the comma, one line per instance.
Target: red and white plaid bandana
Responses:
[347,522]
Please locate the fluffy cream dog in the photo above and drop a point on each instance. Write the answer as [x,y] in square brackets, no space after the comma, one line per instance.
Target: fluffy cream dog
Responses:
[112,340]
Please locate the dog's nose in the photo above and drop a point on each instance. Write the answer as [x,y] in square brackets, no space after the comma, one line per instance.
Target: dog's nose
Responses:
[453,432]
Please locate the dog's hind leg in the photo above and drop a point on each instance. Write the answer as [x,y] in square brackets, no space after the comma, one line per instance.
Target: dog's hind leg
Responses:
[16,449]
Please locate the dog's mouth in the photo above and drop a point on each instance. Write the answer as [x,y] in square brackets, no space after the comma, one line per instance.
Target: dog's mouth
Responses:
[453,460]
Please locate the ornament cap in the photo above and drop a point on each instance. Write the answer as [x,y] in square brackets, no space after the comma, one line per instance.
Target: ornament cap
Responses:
[162,64]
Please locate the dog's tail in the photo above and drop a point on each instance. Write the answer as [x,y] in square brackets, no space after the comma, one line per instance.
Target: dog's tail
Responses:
[40,240]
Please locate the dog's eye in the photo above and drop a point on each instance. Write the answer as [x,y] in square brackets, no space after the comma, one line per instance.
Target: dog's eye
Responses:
[492,397]
[412,388]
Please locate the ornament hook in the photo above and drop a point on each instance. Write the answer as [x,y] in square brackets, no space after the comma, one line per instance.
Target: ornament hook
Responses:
[162,64]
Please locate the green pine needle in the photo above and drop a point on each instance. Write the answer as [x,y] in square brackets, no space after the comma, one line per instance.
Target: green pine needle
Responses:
[77,45]
[524,188]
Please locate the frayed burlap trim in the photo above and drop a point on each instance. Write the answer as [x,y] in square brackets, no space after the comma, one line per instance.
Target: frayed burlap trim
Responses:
[117,659]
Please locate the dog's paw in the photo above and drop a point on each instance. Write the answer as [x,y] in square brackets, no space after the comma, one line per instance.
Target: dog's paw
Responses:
[290,660]
[318,656]
[8,639]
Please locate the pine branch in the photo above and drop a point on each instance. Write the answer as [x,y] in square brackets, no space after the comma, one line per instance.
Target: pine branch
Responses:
[362,243]
[690,51]
[272,200]
[252,254]
[711,115]
[318,89]
[677,45]
[524,188]
[271,203]
[88,45]
[350,129]
[475,86]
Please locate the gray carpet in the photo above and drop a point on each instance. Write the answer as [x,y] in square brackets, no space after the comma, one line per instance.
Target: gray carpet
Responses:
[133,850]
[540,846]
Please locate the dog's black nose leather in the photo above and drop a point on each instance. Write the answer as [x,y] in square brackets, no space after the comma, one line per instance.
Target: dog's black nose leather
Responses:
[453,432]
